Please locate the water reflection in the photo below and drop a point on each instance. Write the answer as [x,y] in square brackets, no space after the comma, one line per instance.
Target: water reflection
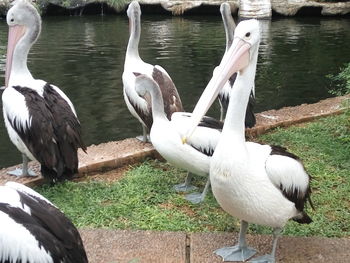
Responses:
[84,56]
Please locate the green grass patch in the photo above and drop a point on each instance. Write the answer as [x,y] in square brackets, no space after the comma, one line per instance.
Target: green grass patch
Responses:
[144,198]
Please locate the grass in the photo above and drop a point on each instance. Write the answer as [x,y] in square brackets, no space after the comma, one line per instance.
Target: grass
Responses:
[144,199]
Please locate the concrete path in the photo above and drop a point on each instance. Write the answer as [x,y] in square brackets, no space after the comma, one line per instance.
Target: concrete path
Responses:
[122,246]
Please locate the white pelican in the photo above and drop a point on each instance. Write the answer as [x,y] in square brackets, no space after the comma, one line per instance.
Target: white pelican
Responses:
[39,117]
[32,229]
[166,136]
[224,94]
[141,107]
[256,183]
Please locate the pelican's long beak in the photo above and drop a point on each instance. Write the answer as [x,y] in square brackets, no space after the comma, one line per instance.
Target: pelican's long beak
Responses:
[15,34]
[235,59]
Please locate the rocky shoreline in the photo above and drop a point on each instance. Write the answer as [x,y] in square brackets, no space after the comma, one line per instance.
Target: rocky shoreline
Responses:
[247,8]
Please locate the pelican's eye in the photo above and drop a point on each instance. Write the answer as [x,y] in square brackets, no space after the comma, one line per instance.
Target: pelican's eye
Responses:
[247,35]
[12,20]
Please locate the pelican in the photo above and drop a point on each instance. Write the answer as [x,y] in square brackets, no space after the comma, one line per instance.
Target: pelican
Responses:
[32,229]
[256,183]
[40,119]
[166,136]
[140,107]
[224,94]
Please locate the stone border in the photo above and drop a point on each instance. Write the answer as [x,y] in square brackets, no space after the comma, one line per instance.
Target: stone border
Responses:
[112,155]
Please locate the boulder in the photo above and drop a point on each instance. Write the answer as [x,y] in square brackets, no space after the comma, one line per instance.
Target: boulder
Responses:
[247,8]
[291,7]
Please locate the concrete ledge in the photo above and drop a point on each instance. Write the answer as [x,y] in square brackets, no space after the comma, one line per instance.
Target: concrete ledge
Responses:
[111,155]
[99,158]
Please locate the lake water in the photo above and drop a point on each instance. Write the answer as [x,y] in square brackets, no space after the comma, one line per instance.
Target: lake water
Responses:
[84,56]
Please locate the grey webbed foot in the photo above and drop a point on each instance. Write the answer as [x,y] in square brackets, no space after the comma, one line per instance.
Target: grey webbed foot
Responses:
[20,173]
[184,187]
[195,198]
[143,138]
[235,253]
[263,259]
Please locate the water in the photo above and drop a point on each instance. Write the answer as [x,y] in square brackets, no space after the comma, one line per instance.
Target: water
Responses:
[84,56]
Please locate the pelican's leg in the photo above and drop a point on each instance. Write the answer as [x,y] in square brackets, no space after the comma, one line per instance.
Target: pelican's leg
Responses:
[269,258]
[186,186]
[222,113]
[197,198]
[239,252]
[24,171]
[144,137]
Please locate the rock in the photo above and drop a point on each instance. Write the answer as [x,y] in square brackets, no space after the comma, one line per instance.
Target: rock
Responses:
[248,8]
[255,9]
[293,6]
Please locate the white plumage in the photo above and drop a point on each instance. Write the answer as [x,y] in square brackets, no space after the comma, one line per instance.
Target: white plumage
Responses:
[32,229]
[256,183]
[166,136]
[140,107]
[225,91]
[40,119]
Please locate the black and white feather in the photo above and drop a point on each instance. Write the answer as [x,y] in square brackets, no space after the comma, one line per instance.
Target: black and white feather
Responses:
[255,183]
[40,119]
[165,135]
[287,173]
[224,94]
[32,229]
[140,107]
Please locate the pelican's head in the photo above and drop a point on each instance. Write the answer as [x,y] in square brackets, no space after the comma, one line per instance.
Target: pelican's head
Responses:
[225,8]
[134,14]
[23,20]
[144,84]
[134,10]
[23,13]
[240,56]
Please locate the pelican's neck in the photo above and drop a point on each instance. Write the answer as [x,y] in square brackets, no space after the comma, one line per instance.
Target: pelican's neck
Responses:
[132,50]
[21,51]
[235,116]
[157,104]
[229,26]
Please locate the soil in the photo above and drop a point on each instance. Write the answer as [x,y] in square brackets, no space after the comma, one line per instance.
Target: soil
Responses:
[109,161]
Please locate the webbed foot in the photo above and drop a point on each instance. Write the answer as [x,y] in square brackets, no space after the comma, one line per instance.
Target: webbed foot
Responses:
[143,138]
[195,198]
[263,259]
[21,173]
[235,253]
[184,187]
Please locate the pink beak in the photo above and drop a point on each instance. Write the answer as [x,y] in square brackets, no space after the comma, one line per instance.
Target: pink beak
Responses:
[15,34]
[235,59]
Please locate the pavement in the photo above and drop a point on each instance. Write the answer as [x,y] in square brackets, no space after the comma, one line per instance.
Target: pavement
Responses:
[125,246]
[119,246]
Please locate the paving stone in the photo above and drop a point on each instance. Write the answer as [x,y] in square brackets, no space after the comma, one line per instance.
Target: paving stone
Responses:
[122,246]
[289,250]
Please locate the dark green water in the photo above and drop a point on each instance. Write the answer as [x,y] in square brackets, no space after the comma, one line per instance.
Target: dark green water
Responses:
[84,56]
